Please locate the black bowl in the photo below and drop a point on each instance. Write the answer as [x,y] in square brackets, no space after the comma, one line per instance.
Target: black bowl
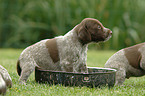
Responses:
[94,78]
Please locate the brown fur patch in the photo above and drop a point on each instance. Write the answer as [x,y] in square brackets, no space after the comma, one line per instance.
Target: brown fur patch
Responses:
[51,44]
[133,55]
[83,34]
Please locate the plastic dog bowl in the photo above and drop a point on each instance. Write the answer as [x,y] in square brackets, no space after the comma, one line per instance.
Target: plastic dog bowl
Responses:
[94,78]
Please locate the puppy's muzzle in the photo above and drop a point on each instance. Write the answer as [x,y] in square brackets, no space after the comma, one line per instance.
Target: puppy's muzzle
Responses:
[108,33]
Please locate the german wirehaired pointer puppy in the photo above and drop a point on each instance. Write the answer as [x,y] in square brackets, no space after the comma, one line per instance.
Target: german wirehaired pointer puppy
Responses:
[5,80]
[64,53]
[130,62]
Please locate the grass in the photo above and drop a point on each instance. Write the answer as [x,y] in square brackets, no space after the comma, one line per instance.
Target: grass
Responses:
[8,59]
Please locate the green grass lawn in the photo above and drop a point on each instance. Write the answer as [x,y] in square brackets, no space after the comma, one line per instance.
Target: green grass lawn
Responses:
[8,59]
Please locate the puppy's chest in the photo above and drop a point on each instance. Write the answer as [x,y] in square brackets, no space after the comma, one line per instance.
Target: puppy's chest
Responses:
[75,56]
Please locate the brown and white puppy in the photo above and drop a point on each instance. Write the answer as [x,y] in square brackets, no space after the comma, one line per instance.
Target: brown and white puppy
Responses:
[5,80]
[130,62]
[64,53]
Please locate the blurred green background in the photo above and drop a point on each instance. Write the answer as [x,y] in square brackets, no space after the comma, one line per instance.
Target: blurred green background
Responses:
[24,22]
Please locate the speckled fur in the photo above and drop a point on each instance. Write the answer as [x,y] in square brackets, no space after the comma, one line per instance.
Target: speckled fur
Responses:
[5,80]
[72,50]
[124,69]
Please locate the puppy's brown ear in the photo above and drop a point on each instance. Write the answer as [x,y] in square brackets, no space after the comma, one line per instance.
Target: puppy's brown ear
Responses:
[84,35]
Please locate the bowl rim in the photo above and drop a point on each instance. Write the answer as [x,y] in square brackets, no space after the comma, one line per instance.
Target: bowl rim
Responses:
[78,73]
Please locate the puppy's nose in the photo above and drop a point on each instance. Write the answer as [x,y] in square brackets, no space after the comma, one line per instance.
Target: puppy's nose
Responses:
[110,31]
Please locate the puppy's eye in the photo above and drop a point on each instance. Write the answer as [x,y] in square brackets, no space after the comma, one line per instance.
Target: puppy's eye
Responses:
[99,27]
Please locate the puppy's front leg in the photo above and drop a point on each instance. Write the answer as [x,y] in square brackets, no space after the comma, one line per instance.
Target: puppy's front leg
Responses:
[80,68]
[73,66]
[120,76]
[27,67]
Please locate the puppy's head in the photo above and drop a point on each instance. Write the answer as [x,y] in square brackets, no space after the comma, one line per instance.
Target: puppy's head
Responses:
[92,30]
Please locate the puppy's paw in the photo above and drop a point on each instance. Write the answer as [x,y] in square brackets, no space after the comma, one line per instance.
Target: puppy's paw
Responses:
[22,83]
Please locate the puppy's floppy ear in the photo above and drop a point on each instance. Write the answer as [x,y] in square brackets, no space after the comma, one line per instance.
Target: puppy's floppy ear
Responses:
[84,34]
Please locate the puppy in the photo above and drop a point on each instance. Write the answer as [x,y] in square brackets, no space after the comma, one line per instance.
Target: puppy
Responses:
[64,53]
[5,80]
[2,85]
[130,62]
